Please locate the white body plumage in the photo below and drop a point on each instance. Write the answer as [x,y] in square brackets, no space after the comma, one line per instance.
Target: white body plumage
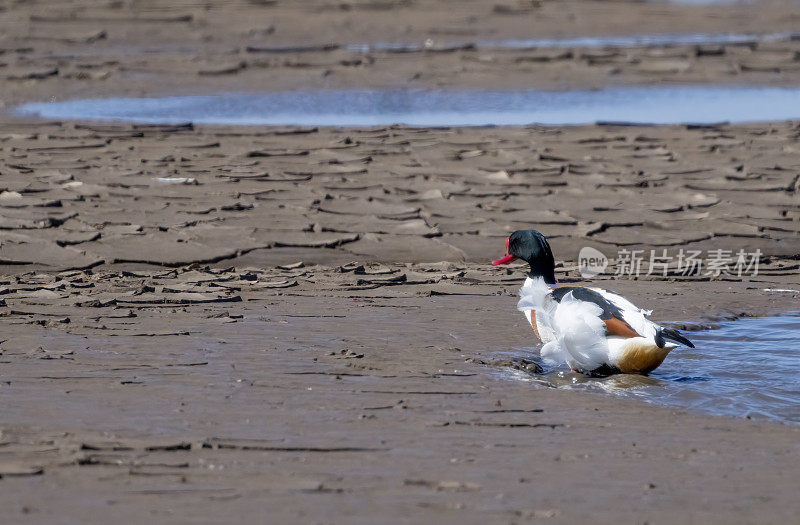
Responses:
[574,332]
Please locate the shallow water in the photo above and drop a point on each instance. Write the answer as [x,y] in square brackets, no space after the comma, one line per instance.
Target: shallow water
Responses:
[655,105]
[746,368]
[594,41]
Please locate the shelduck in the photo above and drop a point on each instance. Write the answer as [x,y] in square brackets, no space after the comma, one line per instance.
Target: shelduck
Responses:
[592,330]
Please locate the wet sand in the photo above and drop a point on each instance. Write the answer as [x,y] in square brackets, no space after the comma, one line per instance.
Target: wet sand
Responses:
[166,356]
[113,49]
[334,395]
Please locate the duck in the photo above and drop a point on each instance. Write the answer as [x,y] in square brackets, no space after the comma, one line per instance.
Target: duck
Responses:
[594,331]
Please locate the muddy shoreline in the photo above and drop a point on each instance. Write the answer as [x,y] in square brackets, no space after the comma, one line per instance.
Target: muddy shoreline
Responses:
[165,392]
[301,324]
[109,50]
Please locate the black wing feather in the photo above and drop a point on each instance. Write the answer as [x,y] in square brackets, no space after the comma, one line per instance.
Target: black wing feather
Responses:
[674,335]
[610,310]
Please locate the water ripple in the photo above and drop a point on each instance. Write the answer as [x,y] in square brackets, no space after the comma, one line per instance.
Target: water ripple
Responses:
[729,373]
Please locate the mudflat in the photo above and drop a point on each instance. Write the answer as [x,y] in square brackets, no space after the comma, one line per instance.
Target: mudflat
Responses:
[301,324]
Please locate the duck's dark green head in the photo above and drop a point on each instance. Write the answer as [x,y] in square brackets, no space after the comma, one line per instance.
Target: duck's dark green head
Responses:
[531,247]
